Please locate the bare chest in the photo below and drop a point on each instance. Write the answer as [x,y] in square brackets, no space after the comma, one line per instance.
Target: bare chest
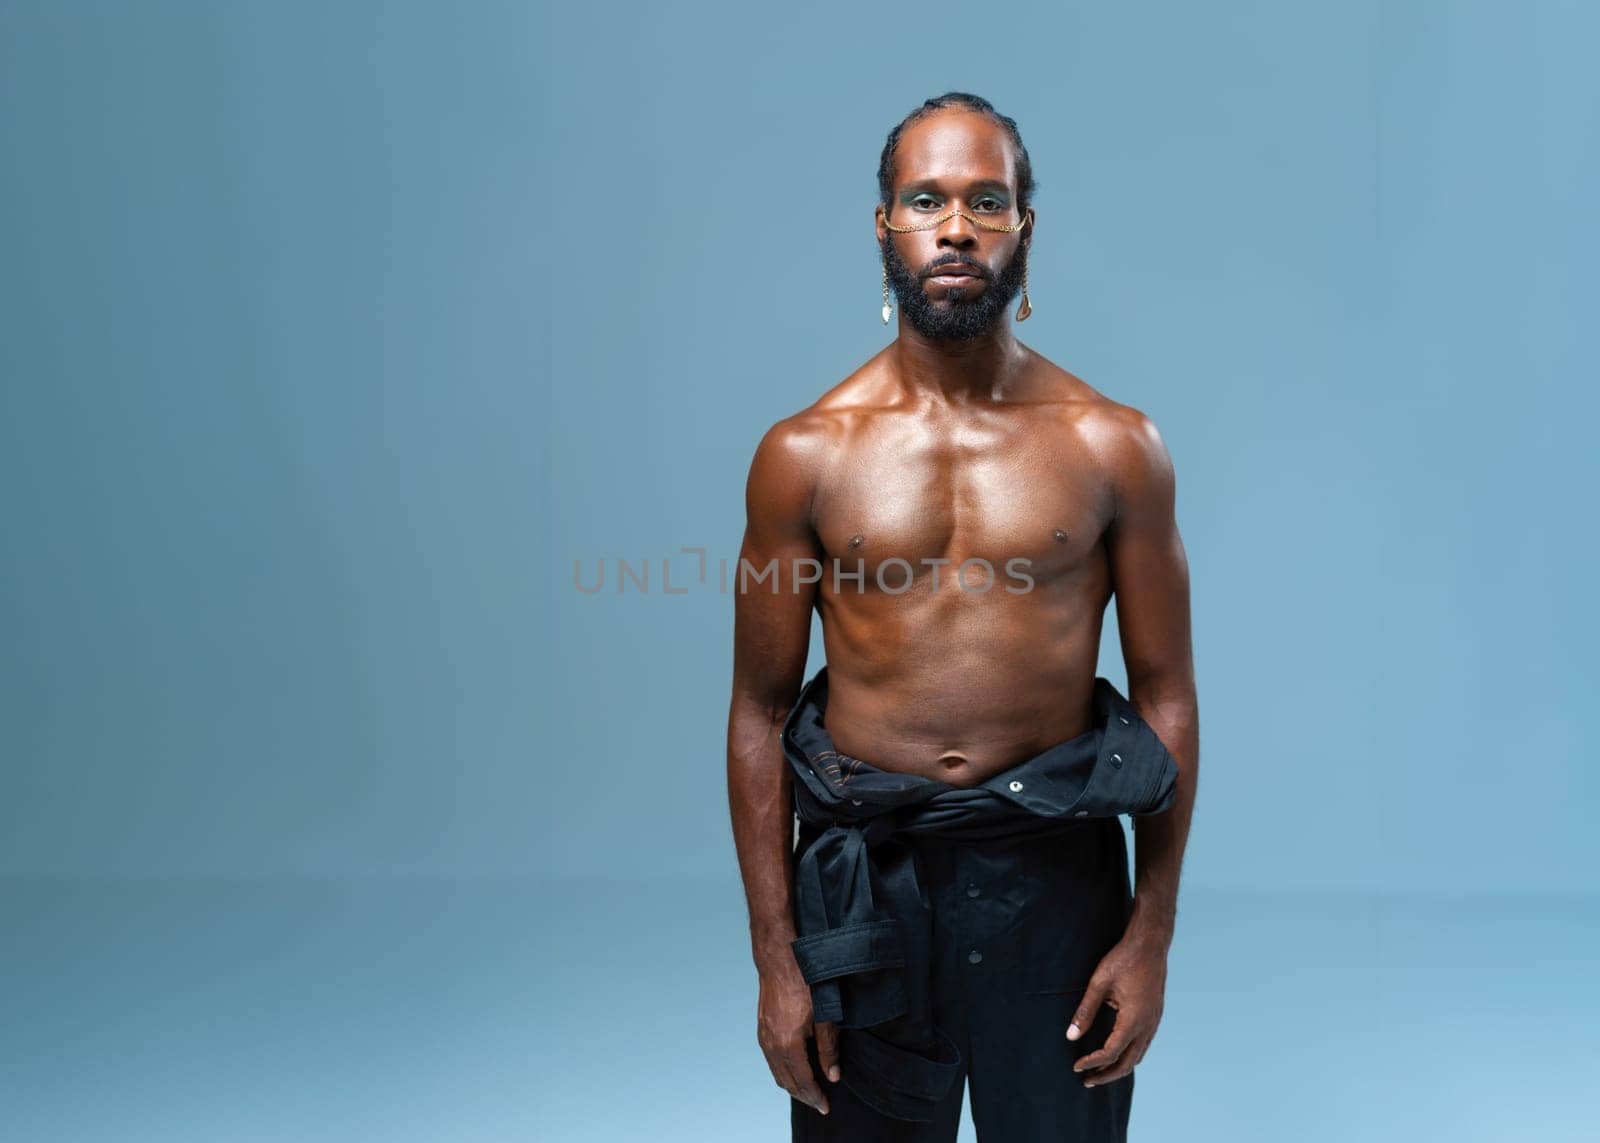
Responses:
[995,494]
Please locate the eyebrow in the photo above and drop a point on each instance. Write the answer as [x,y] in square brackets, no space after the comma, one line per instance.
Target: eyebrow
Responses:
[976,185]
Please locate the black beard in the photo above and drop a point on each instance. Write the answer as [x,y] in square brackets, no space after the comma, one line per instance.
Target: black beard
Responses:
[961,314]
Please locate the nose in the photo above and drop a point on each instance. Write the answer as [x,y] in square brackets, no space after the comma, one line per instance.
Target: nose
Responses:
[958,232]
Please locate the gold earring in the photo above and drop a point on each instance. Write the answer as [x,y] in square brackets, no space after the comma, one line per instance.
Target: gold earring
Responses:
[1026,307]
[886,293]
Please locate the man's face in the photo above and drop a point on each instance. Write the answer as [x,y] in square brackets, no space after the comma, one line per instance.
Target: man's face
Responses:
[954,158]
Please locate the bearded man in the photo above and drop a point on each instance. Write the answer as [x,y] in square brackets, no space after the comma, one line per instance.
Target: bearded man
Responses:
[928,829]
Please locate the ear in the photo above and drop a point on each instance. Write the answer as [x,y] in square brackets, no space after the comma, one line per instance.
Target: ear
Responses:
[878,219]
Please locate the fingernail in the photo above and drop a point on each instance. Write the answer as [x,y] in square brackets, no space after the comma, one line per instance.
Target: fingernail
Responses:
[833,1074]
[1088,1083]
[1073,1033]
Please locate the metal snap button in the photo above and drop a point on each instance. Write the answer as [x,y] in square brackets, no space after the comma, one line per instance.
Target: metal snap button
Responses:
[974,956]
[1081,814]
[1116,760]
[973,890]
[855,801]
[1015,785]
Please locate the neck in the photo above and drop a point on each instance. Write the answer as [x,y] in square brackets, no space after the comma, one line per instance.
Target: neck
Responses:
[984,369]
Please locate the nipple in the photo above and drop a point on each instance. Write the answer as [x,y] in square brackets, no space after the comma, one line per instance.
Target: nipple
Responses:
[1061,537]
[857,540]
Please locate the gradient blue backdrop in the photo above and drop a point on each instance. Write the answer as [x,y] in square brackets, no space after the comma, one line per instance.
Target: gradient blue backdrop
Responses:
[332,337]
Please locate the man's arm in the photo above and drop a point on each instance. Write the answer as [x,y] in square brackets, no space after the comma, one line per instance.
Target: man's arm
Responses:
[771,635]
[1150,577]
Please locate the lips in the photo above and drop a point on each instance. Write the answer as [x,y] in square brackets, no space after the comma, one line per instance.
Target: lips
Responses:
[955,270]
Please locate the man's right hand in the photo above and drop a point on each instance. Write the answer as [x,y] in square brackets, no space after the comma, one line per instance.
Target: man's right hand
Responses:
[783,1022]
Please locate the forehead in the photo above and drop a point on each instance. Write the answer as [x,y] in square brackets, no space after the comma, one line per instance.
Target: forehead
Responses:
[954,146]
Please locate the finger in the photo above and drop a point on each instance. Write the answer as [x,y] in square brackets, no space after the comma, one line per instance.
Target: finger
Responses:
[805,1087]
[1130,1061]
[779,1070]
[789,1082]
[778,1065]
[1124,1067]
[828,1049]
[1088,1007]
[781,1074]
[1125,1029]
[1108,1077]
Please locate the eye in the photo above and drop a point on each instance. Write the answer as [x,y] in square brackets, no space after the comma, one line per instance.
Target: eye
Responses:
[924,202]
[993,204]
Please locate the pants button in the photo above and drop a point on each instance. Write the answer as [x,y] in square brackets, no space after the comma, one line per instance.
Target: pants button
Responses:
[972,890]
[974,956]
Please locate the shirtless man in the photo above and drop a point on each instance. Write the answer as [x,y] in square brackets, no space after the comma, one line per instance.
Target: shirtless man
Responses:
[957,442]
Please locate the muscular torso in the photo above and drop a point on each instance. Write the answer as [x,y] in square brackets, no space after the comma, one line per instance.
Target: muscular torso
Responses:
[960,684]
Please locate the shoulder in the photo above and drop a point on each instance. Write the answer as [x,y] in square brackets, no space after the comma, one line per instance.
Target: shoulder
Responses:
[1118,432]
[808,437]
[795,452]
[1124,441]
[1132,443]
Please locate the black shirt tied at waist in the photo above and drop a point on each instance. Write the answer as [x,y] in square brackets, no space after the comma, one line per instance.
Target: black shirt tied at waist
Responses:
[863,919]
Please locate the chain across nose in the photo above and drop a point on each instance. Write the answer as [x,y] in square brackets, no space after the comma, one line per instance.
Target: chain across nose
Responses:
[952,213]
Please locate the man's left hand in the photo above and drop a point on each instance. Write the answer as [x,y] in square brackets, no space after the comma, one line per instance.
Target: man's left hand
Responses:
[1131,978]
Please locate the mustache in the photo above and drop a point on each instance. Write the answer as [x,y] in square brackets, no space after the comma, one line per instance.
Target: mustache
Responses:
[976,268]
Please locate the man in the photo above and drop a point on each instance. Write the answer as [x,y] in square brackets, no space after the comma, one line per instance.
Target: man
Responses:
[954,450]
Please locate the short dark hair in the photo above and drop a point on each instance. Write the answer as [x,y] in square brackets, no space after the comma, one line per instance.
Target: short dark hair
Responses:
[1025,184]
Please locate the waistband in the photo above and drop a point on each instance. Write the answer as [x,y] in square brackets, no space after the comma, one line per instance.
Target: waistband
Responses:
[1119,765]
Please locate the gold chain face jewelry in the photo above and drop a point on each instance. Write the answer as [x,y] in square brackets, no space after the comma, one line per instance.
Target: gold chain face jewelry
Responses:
[947,216]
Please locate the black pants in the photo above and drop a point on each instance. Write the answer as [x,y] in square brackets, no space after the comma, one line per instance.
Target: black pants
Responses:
[1018,928]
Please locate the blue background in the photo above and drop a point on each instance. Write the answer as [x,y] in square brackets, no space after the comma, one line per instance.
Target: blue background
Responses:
[332,338]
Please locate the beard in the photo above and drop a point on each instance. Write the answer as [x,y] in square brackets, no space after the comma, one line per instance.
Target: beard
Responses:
[963,313]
